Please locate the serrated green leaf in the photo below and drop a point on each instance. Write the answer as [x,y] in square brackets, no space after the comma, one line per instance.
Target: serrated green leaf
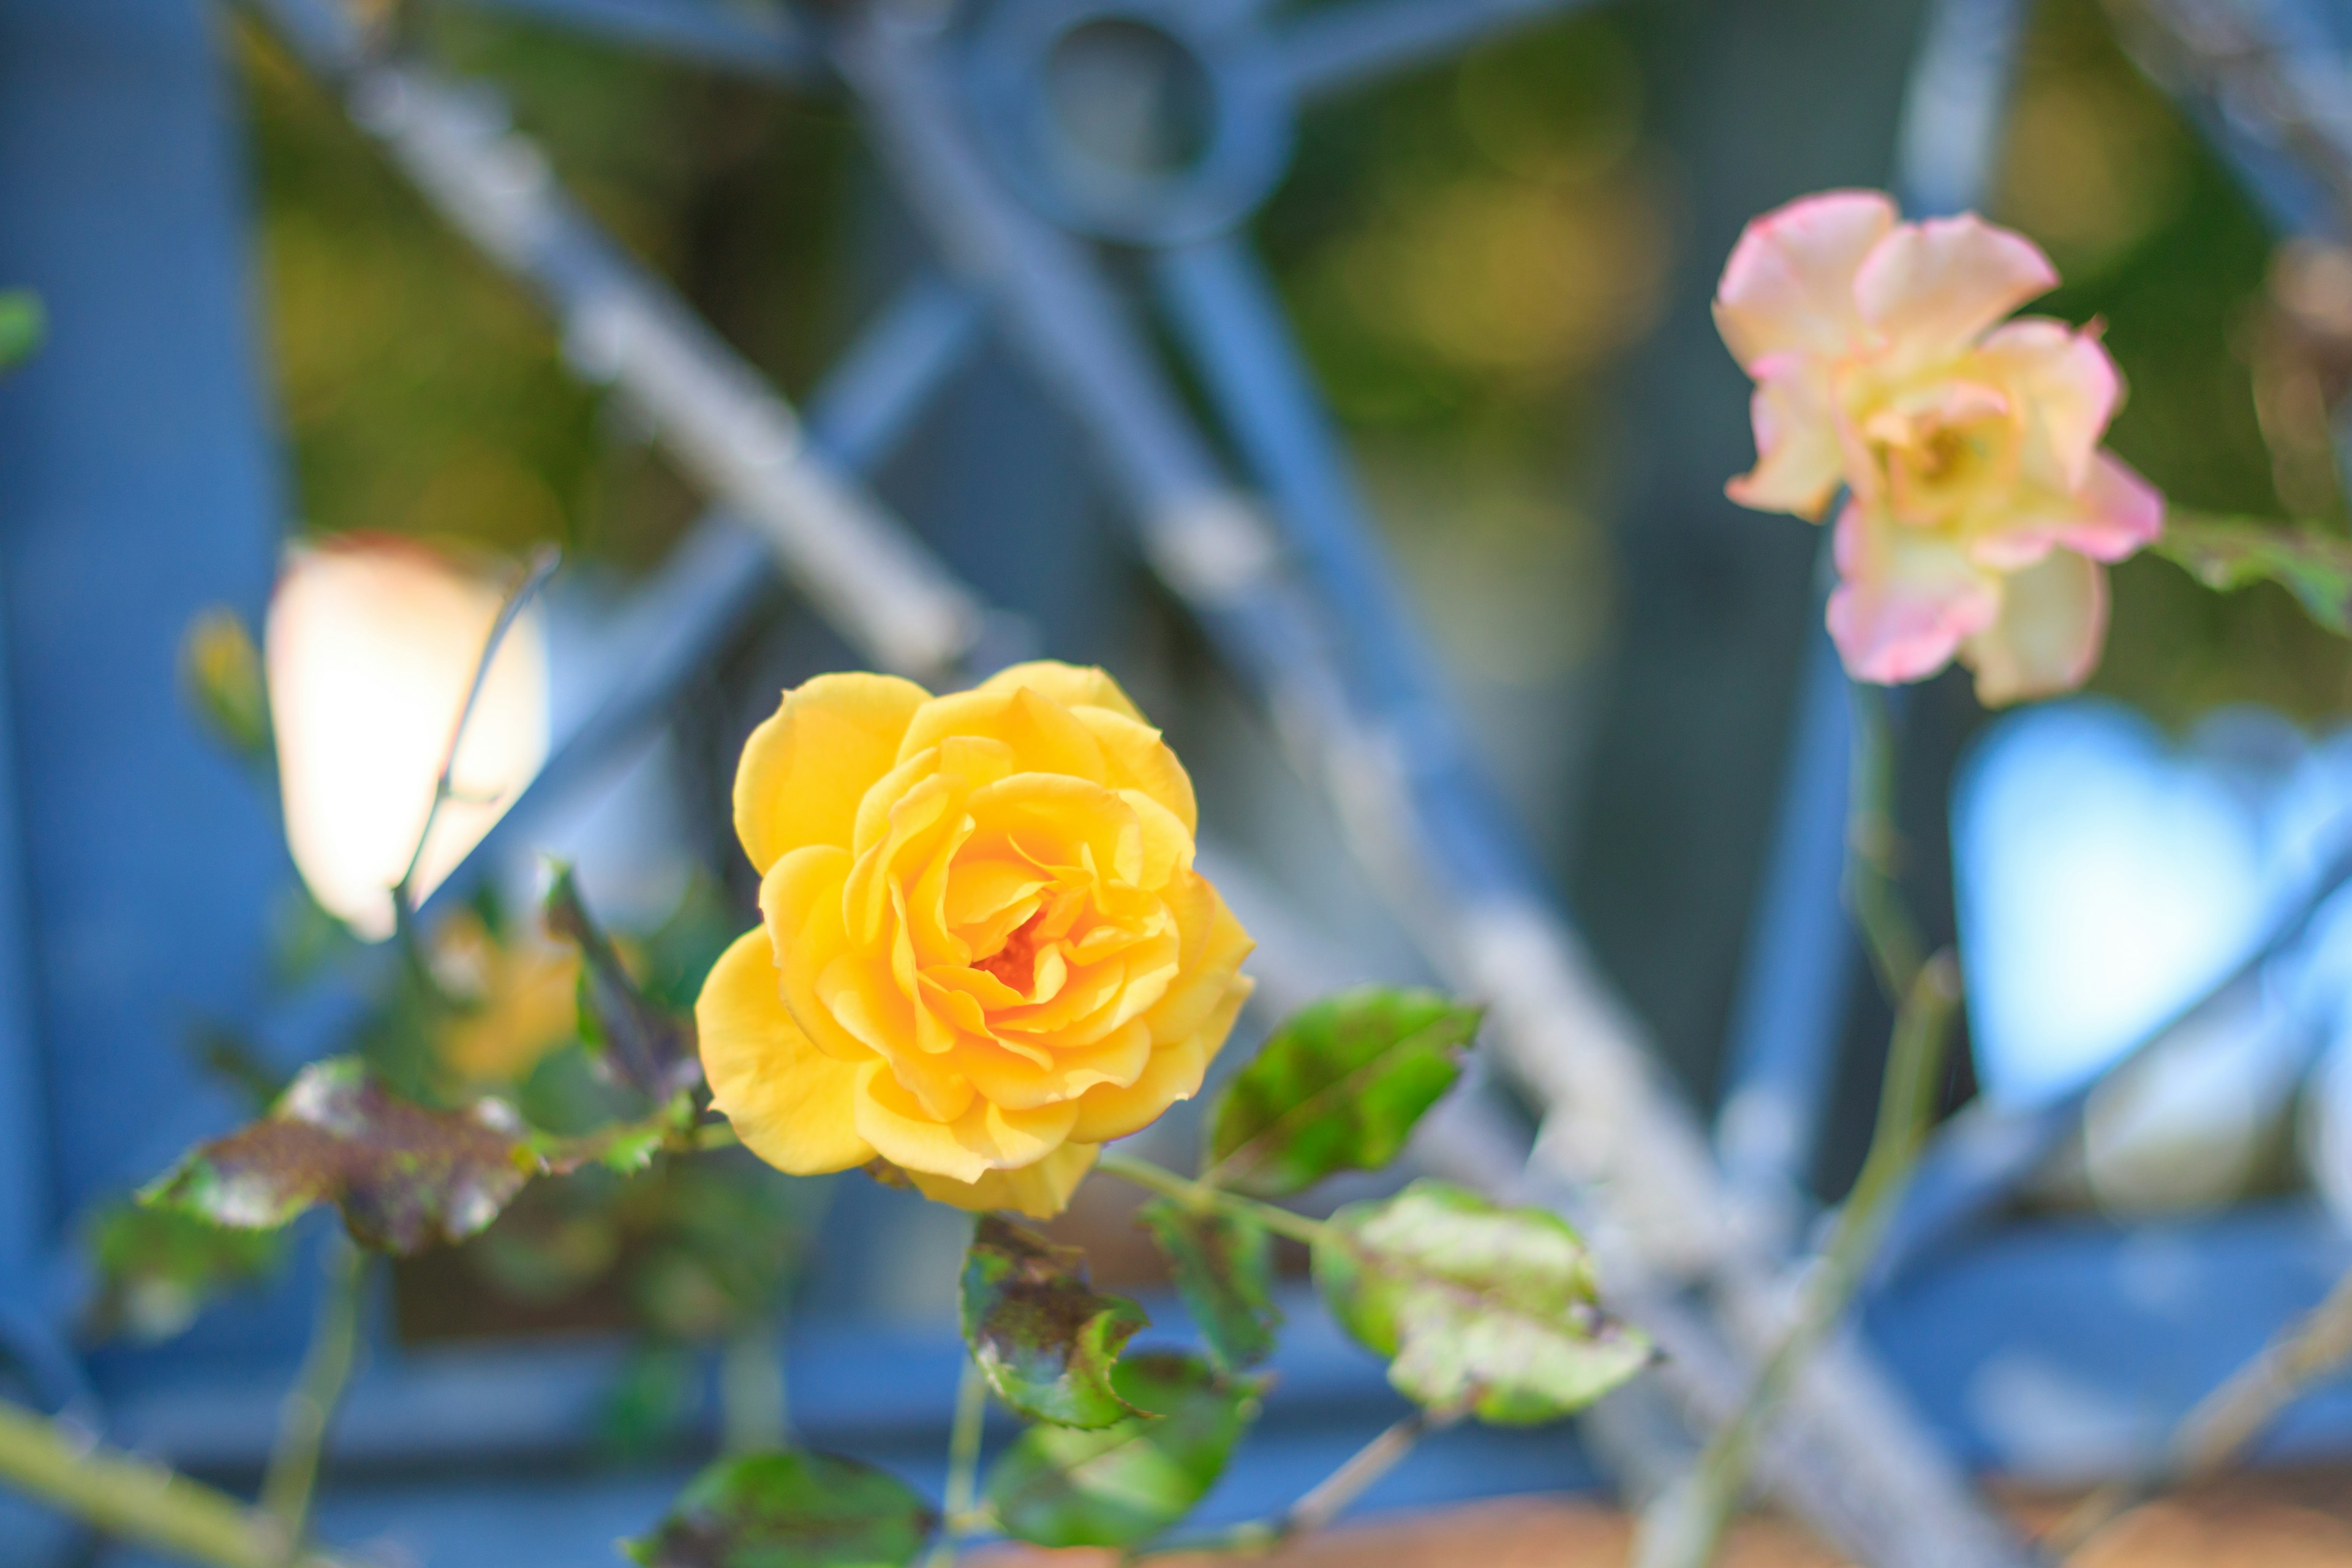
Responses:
[650,1047]
[1337,1087]
[24,322]
[405,1176]
[1045,1340]
[158,1268]
[2227,553]
[1223,1264]
[790,1509]
[1125,1483]
[1475,1304]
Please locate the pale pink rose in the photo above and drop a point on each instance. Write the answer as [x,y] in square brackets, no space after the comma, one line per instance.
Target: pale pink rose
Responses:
[1979,501]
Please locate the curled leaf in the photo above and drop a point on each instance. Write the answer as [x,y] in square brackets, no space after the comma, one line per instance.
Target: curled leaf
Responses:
[1474,1304]
[2230,552]
[1223,1263]
[1126,1482]
[1046,1341]
[790,1509]
[650,1047]
[405,1176]
[1337,1088]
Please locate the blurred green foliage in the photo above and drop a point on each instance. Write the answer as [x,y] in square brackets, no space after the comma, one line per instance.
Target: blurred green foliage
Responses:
[2154,235]
[1470,254]
[426,394]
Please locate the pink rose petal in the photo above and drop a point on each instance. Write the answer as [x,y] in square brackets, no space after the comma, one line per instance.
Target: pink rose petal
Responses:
[1931,287]
[2046,639]
[1789,285]
[1906,598]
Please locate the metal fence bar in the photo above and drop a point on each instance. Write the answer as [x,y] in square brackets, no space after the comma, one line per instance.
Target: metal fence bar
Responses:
[767,43]
[1615,1131]
[1240,341]
[625,327]
[1338,47]
[876,582]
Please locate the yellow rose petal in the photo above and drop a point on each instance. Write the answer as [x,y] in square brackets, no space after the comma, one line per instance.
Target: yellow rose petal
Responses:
[985,1138]
[790,1102]
[1173,1073]
[1138,759]
[1071,685]
[804,771]
[1046,737]
[1207,970]
[1040,1191]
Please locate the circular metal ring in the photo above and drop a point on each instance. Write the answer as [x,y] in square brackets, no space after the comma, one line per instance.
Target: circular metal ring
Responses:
[1145,122]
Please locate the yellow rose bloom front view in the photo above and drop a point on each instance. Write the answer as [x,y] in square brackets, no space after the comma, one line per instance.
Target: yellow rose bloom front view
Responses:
[983,949]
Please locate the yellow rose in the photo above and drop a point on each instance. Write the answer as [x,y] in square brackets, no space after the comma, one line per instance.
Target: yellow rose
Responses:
[983,949]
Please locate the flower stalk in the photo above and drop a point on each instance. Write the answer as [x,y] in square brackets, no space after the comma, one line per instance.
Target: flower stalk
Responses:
[140,1502]
[292,1478]
[1683,1528]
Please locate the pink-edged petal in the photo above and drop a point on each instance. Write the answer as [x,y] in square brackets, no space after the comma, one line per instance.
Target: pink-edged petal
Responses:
[2120,512]
[1789,285]
[1931,288]
[1799,460]
[2065,382]
[2112,516]
[1905,600]
[2053,621]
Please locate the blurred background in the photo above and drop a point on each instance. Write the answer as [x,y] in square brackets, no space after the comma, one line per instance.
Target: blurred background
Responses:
[264,345]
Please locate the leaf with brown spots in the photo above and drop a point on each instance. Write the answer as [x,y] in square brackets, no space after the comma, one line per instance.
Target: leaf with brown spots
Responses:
[1222,1266]
[405,1176]
[1042,1336]
[790,1509]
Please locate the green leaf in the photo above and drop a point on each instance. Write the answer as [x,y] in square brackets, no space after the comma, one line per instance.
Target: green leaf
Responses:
[790,1509]
[1043,1337]
[158,1268]
[1474,1304]
[1337,1087]
[1125,1483]
[24,322]
[2227,553]
[650,1047]
[1224,1268]
[405,1177]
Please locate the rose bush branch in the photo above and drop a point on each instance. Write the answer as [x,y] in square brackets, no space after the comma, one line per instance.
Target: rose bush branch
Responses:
[964,1435]
[140,1502]
[292,1476]
[1874,847]
[1683,1528]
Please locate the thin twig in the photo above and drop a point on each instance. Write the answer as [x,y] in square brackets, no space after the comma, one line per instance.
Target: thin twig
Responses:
[964,1462]
[140,1502]
[1325,1500]
[1683,1528]
[536,572]
[2212,1436]
[293,1475]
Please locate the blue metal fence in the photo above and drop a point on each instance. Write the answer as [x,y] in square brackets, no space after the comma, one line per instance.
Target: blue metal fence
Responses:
[136,466]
